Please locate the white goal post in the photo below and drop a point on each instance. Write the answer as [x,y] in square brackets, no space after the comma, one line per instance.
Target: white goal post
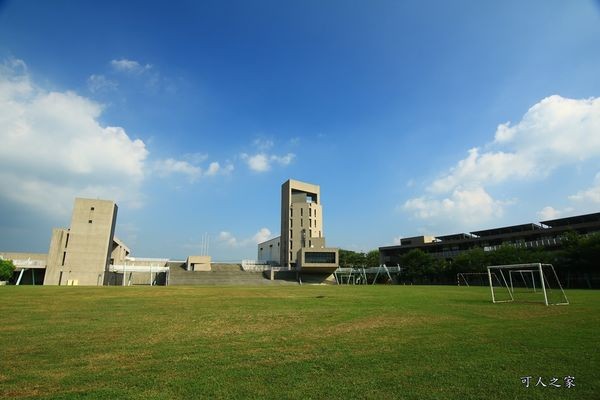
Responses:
[535,282]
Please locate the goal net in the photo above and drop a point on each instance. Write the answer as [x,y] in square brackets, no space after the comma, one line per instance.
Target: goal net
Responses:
[526,283]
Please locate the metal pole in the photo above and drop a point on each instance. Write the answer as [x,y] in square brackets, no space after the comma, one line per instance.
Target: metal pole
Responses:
[388,272]
[491,285]
[543,285]
[20,276]
[376,275]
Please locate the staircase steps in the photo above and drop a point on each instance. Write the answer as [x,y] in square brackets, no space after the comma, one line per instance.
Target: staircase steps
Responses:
[225,274]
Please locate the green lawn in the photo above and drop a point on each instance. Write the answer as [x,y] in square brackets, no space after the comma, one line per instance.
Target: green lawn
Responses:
[332,342]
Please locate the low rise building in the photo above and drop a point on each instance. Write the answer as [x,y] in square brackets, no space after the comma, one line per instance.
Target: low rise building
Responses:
[546,234]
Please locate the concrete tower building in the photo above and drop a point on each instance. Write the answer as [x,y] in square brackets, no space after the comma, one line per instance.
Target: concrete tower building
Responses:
[301,220]
[82,253]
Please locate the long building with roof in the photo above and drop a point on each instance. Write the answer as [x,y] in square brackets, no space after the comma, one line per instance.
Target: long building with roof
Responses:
[546,234]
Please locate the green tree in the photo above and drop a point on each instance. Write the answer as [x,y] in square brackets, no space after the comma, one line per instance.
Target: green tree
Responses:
[6,269]
[372,258]
[418,265]
[349,258]
[473,260]
[506,254]
[579,252]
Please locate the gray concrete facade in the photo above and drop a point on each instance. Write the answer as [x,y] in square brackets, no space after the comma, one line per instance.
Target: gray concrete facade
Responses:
[81,254]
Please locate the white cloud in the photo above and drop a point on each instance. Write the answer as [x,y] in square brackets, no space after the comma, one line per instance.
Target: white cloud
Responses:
[463,206]
[553,133]
[487,168]
[99,83]
[151,78]
[262,162]
[228,169]
[213,168]
[53,147]
[547,213]
[258,162]
[230,240]
[169,166]
[284,160]
[590,195]
[263,144]
[125,65]
[261,236]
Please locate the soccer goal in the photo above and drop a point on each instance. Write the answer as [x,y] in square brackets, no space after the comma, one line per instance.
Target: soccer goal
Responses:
[527,283]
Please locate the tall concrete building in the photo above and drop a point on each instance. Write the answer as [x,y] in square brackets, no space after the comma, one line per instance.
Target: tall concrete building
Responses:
[301,220]
[81,254]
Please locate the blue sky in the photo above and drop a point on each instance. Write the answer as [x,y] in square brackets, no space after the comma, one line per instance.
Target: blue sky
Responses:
[424,117]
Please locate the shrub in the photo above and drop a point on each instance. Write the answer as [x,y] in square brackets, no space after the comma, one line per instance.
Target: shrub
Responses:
[6,269]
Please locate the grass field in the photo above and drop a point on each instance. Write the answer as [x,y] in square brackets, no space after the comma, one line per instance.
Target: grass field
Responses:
[331,342]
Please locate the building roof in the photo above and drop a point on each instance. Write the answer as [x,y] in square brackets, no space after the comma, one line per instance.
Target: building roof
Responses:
[578,219]
[455,236]
[507,230]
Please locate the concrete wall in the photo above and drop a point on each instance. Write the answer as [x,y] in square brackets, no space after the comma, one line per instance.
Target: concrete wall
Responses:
[82,253]
[317,267]
[301,219]
[119,251]
[270,250]
[198,263]
[56,257]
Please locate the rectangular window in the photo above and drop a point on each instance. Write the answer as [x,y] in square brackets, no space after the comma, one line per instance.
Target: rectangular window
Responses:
[291,212]
[310,243]
[315,213]
[302,212]
[291,234]
[91,208]
[310,212]
[89,221]
[301,222]
[64,256]
[291,223]
[67,241]
[321,257]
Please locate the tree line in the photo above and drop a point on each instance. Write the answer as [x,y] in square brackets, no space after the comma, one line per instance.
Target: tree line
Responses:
[349,258]
[577,261]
